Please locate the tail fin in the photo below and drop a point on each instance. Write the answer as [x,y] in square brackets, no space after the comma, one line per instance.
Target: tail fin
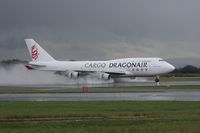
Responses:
[37,53]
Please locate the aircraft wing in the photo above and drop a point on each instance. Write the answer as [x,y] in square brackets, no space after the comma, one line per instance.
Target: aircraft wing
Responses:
[85,73]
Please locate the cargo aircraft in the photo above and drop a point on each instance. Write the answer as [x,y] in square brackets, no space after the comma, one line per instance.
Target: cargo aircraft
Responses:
[117,68]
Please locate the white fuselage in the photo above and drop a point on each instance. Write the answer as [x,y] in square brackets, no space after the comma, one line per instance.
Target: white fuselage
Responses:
[136,67]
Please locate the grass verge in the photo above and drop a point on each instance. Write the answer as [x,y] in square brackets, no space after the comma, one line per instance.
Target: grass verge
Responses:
[173,78]
[115,116]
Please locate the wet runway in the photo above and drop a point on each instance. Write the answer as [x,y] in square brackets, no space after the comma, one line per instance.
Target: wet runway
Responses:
[108,92]
[156,96]
[67,86]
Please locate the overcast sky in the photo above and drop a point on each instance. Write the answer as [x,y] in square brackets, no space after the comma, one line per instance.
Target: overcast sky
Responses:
[101,29]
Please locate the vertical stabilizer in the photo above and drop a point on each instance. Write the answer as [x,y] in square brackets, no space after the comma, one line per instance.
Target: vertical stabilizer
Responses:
[37,53]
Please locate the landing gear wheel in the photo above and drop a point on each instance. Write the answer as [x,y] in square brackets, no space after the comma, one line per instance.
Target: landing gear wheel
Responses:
[157,80]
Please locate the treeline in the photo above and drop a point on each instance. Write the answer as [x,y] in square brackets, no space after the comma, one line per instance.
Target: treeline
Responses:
[189,69]
[11,62]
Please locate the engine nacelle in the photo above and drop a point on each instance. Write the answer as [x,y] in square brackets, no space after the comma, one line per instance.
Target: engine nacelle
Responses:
[104,76]
[73,74]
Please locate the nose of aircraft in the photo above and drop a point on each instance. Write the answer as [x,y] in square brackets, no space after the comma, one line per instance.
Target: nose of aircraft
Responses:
[170,67]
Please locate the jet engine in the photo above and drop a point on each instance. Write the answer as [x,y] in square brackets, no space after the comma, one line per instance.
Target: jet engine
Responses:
[73,74]
[104,76]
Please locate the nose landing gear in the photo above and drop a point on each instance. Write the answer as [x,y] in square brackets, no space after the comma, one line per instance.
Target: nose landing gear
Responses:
[157,80]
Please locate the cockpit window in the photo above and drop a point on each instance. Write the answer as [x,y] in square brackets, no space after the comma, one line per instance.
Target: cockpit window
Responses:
[161,60]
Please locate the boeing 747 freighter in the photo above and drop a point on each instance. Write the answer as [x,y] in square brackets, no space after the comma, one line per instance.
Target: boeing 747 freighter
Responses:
[117,68]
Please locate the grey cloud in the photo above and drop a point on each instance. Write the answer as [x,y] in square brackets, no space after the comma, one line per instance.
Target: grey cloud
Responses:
[101,29]
[11,43]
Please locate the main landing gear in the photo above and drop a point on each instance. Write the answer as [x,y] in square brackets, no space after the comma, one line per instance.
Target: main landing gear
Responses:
[157,80]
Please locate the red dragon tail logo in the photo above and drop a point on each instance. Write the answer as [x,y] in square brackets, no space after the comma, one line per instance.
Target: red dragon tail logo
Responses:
[34,52]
